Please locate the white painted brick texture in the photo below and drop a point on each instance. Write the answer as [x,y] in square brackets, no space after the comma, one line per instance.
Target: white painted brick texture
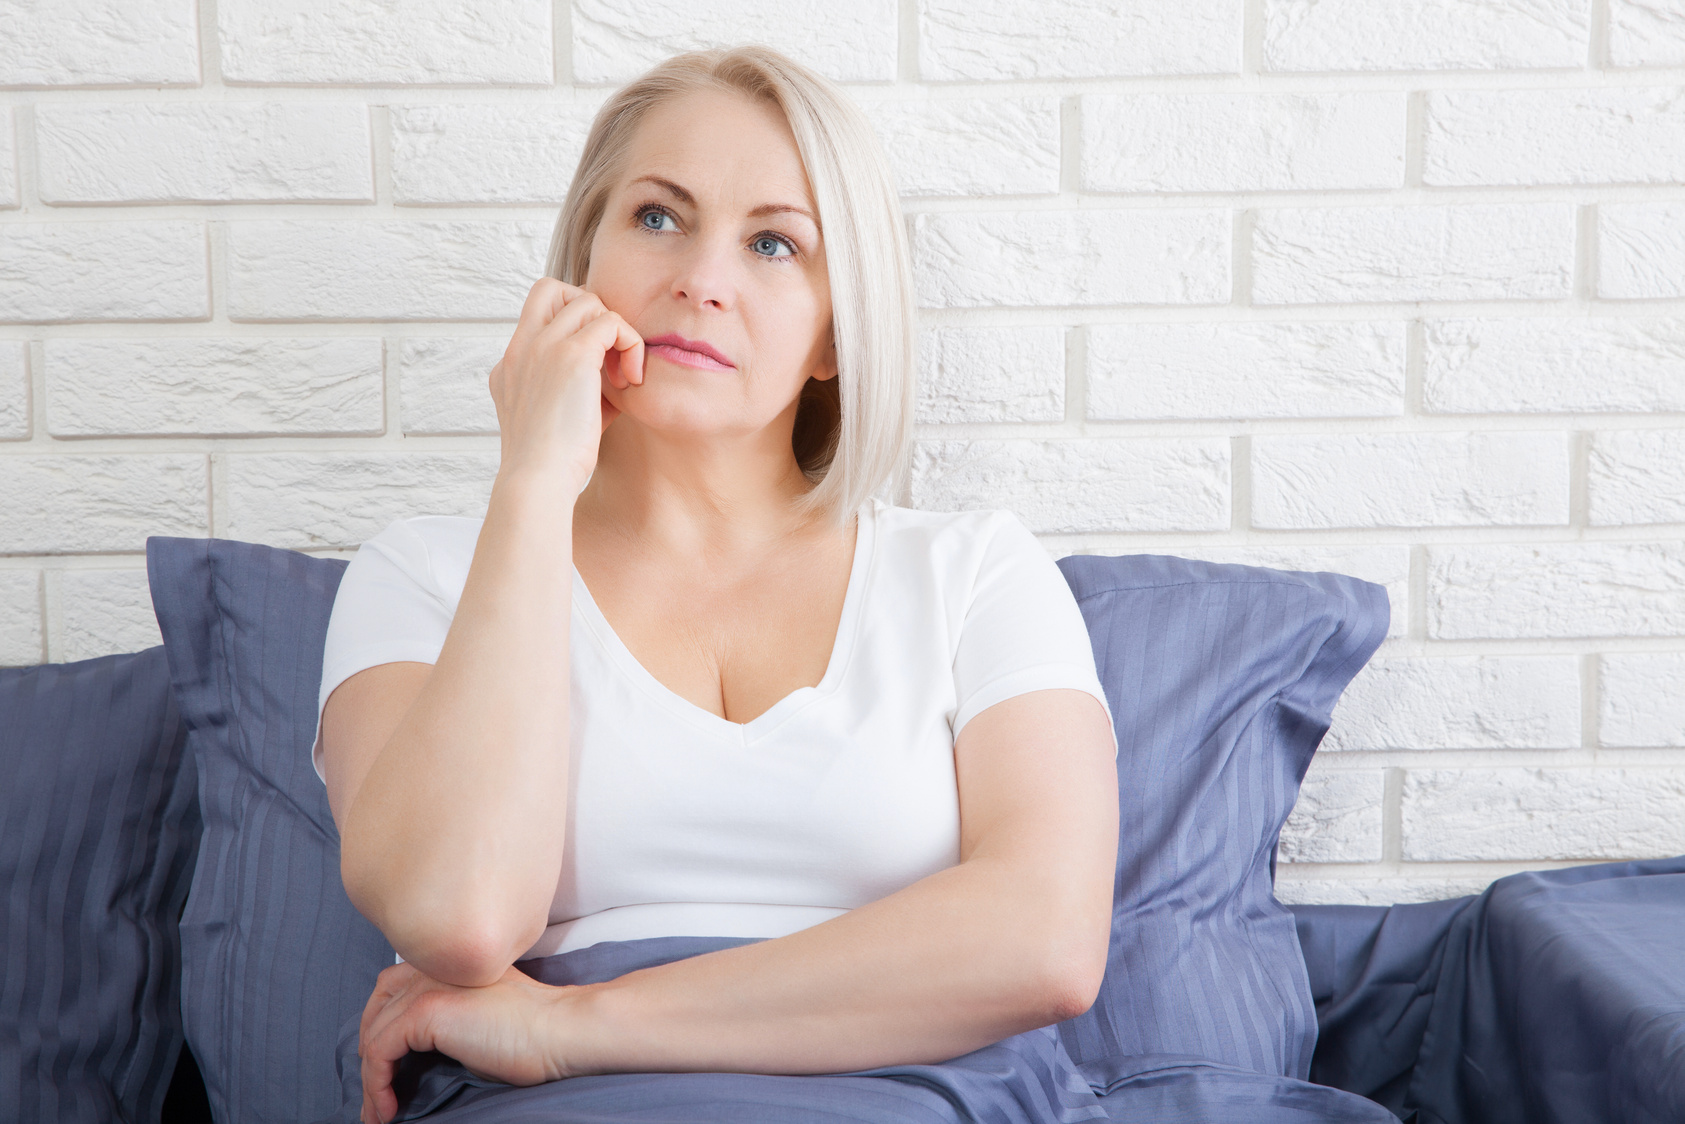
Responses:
[433,42]
[1349,254]
[991,40]
[614,42]
[1252,370]
[1242,142]
[1387,289]
[116,388]
[186,153]
[99,43]
[1641,250]
[14,392]
[1447,35]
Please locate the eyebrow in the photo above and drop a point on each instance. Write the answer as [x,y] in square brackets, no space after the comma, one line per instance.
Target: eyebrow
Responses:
[684,196]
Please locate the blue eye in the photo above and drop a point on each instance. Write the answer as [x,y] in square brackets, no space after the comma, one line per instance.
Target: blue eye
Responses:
[768,245]
[659,216]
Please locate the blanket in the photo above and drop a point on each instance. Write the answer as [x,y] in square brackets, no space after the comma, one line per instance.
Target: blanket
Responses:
[1024,1079]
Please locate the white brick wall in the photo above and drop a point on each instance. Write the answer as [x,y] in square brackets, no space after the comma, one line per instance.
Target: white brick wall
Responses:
[1391,289]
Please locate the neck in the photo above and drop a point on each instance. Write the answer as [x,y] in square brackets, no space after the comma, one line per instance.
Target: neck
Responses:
[689,497]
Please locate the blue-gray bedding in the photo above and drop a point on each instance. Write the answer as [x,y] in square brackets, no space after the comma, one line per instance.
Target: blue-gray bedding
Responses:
[1555,996]
[1025,1079]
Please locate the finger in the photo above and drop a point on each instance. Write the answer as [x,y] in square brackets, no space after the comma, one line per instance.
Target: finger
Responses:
[610,330]
[388,984]
[545,299]
[408,1028]
[580,310]
[610,412]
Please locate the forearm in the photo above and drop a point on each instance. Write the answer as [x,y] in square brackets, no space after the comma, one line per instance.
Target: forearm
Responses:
[955,962]
[455,828]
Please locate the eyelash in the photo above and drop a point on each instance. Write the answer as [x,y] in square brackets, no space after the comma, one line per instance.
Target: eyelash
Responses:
[638,219]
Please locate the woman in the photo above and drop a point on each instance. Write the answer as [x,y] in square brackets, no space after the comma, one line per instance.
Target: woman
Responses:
[869,739]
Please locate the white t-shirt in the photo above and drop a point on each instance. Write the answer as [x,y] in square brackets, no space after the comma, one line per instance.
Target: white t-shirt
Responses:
[680,822]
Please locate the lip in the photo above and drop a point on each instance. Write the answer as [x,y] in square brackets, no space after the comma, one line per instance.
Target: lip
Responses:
[700,348]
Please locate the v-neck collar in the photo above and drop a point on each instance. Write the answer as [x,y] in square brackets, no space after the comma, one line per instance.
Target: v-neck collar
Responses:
[842,649]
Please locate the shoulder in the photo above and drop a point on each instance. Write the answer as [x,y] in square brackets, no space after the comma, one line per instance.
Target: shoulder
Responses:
[433,551]
[959,540]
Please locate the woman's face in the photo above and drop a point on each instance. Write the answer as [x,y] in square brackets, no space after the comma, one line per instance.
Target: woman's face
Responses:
[709,247]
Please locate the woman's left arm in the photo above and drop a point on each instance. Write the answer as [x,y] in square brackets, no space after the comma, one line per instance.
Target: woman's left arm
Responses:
[1013,937]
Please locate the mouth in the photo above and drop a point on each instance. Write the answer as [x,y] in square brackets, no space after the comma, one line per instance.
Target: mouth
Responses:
[688,353]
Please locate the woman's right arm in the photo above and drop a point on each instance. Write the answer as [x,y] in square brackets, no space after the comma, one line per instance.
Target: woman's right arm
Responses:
[449,782]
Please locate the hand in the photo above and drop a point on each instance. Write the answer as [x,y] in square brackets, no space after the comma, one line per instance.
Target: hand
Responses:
[501,1032]
[549,385]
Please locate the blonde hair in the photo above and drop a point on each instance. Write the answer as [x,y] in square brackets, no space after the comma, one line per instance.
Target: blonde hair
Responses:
[853,432]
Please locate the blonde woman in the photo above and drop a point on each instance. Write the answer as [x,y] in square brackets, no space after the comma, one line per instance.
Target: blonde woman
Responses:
[693,675]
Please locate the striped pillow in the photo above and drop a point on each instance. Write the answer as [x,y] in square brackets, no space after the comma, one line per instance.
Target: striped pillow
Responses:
[99,823]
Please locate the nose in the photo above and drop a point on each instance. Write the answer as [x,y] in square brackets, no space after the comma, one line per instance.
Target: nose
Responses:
[707,274]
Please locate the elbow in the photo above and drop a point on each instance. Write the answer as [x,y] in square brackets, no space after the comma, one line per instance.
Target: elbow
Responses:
[1070,980]
[454,942]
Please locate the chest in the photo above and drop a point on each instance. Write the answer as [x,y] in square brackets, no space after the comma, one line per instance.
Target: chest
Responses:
[730,641]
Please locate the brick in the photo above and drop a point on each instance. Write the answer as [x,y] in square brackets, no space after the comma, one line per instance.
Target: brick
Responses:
[100,43]
[1373,891]
[1459,815]
[444,384]
[1242,142]
[990,40]
[246,386]
[319,42]
[1245,370]
[1640,250]
[1556,590]
[1409,480]
[79,503]
[615,42]
[14,391]
[1387,566]
[992,374]
[1555,136]
[105,611]
[1646,33]
[505,153]
[1037,258]
[1553,365]
[1511,251]
[1641,699]
[467,269]
[223,153]
[58,271]
[1460,702]
[1637,476]
[8,161]
[309,500]
[1138,484]
[1452,35]
[971,146]
[1337,818]
[21,637]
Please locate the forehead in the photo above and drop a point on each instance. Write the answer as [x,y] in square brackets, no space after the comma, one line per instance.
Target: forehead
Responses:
[736,150]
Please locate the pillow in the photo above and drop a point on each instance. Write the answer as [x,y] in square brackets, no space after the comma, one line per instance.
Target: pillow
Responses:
[98,827]
[277,958]
[1221,679]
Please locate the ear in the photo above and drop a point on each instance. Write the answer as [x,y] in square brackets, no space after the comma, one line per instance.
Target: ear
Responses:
[828,362]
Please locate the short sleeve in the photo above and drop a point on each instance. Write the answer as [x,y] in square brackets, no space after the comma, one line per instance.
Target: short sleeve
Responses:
[389,608]
[1022,629]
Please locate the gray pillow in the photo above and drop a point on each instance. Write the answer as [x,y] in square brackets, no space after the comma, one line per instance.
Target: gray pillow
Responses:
[1221,681]
[277,958]
[98,828]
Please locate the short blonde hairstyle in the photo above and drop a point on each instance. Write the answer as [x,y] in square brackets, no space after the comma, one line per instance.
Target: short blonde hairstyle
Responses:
[853,432]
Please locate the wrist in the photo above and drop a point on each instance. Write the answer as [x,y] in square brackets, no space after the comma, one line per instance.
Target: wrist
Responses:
[577,1032]
[551,488]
